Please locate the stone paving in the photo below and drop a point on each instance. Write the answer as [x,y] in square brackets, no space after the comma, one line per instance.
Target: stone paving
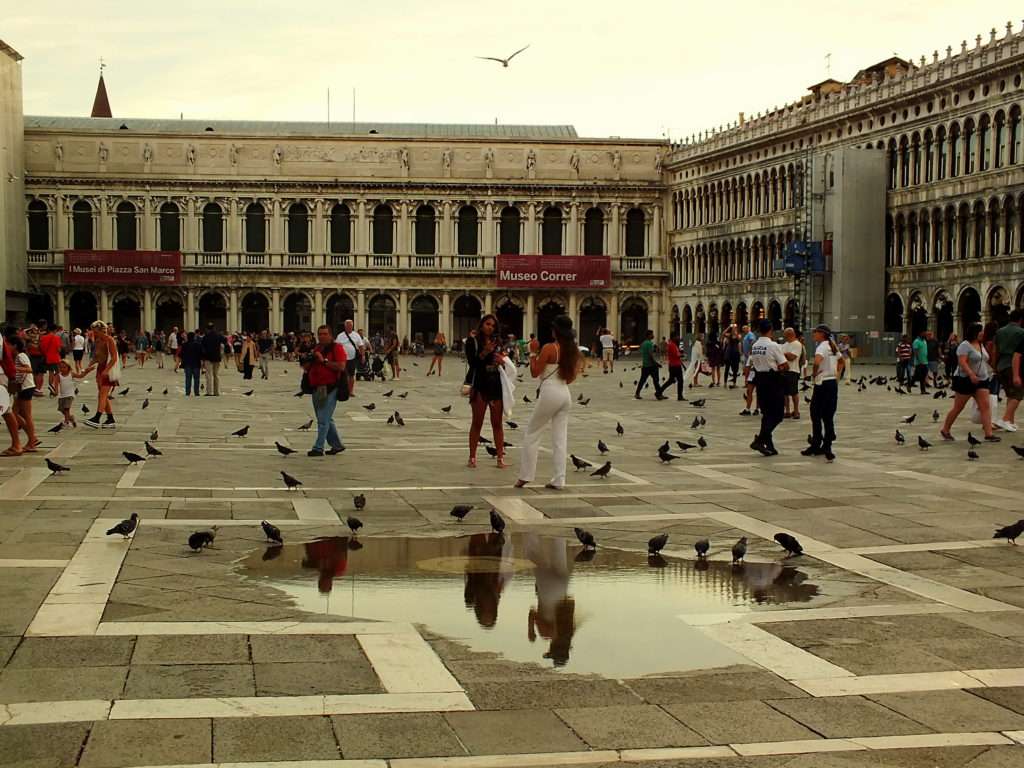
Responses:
[140,653]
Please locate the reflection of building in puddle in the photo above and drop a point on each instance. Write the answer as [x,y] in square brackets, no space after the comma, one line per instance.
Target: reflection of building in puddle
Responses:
[583,611]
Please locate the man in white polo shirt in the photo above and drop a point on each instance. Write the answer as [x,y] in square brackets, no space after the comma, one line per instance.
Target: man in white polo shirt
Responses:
[768,361]
[355,348]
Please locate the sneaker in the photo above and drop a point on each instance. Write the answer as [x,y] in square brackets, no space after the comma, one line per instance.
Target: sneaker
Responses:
[93,421]
[993,439]
[757,411]
[745,412]
[829,456]
[314,452]
[334,451]
[756,444]
[1009,426]
[810,451]
[109,423]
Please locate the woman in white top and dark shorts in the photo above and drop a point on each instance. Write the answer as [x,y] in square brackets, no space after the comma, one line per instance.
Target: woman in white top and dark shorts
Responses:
[557,365]
[971,379]
[828,365]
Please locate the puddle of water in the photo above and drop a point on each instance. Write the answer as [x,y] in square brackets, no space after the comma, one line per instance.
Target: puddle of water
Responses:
[532,598]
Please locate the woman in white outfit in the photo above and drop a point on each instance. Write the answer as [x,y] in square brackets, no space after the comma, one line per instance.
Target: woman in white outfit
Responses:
[556,365]
[696,358]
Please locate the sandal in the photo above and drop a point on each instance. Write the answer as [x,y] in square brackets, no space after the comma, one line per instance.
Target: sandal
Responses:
[520,484]
[552,487]
[29,449]
[12,452]
[501,463]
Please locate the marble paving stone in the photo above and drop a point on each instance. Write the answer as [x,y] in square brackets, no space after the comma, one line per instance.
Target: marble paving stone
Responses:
[120,744]
[952,711]
[73,652]
[314,678]
[731,684]
[406,664]
[42,746]
[396,736]
[1008,698]
[32,713]
[191,649]
[847,716]
[870,684]
[275,648]
[150,681]
[273,739]
[62,684]
[7,646]
[548,693]
[739,722]
[513,731]
[932,740]
[628,727]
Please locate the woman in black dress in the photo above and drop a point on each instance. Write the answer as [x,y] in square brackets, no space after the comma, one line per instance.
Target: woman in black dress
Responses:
[484,357]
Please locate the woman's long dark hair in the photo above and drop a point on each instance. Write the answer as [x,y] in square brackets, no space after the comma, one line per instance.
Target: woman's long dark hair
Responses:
[484,319]
[568,351]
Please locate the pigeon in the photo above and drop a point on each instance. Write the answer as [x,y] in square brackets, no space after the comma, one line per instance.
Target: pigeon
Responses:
[739,550]
[125,527]
[586,538]
[446,409]
[389,393]
[241,432]
[698,403]
[124,391]
[580,398]
[399,420]
[935,416]
[526,399]
[272,532]
[359,502]
[972,440]
[602,447]
[153,436]
[923,444]
[684,447]
[497,522]
[909,419]
[249,393]
[491,450]
[133,458]
[403,395]
[1010,532]
[696,422]
[657,543]
[1018,450]
[459,511]
[483,440]
[371,407]
[603,470]
[300,393]
[790,544]
[306,427]
[354,524]
[391,419]
[289,481]
[56,428]
[165,391]
[900,391]
[666,457]
[620,385]
[145,404]
[85,408]
[972,455]
[702,442]
[580,463]
[619,430]
[664,447]
[900,439]
[584,403]
[703,421]
[200,539]
[150,450]
[284,450]
[511,425]
[56,468]
[149,388]
[702,546]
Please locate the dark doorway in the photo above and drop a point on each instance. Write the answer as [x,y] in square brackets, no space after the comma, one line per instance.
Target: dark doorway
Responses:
[298,314]
[126,313]
[339,309]
[383,313]
[255,313]
[82,310]
[423,319]
[775,315]
[969,309]
[893,313]
[510,319]
[634,321]
[593,316]
[213,309]
[40,307]
[545,317]
[465,316]
[169,313]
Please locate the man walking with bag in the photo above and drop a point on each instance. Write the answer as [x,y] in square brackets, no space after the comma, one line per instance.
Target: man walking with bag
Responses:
[213,349]
[328,380]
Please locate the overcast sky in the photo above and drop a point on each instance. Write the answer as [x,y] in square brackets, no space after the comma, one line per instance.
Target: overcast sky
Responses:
[640,69]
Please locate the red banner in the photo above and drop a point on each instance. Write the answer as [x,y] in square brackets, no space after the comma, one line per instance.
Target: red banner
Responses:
[581,272]
[122,267]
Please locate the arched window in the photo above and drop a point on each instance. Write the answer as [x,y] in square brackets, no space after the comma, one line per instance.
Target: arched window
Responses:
[383,229]
[425,239]
[38,226]
[929,157]
[635,225]
[170,227]
[298,228]
[915,159]
[126,240]
[469,244]
[81,220]
[904,162]
[955,150]
[941,158]
[509,230]
[1014,135]
[341,229]
[893,164]
[999,140]
[984,143]
[213,228]
[255,228]
[970,146]
[551,232]
[593,232]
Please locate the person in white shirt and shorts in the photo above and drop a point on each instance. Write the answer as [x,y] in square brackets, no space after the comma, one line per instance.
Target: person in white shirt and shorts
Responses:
[828,365]
[355,347]
[607,351]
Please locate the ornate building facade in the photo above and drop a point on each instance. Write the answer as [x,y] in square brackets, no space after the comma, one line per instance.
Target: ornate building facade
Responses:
[949,130]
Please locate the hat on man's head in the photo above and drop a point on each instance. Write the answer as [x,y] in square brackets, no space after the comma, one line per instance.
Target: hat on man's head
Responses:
[765,326]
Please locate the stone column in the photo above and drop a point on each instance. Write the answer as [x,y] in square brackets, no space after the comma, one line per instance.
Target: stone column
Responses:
[488,243]
[654,247]
[148,239]
[446,316]
[106,226]
[402,241]
[654,319]
[488,303]
[191,243]
[104,305]
[148,319]
[613,232]
[275,239]
[318,308]
[191,320]
[232,320]
[275,310]
[572,241]
[611,319]
[318,236]
[62,314]
[447,239]
[403,315]
[60,222]
[362,231]
[530,241]
[360,318]
[574,312]
[530,316]
[233,228]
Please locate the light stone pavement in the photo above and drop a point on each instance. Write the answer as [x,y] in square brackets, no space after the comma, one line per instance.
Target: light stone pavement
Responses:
[139,653]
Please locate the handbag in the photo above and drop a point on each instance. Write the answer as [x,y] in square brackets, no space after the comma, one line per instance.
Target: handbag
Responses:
[114,374]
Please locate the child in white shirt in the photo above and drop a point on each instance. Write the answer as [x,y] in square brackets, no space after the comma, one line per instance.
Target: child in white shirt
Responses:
[66,392]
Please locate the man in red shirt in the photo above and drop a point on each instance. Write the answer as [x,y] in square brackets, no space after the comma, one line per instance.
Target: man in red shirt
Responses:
[49,345]
[325,371]
[675,367]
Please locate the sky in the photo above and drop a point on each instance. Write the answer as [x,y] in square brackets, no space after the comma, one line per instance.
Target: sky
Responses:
[651,69]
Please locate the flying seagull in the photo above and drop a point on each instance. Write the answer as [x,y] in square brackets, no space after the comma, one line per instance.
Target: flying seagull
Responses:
[503,62]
